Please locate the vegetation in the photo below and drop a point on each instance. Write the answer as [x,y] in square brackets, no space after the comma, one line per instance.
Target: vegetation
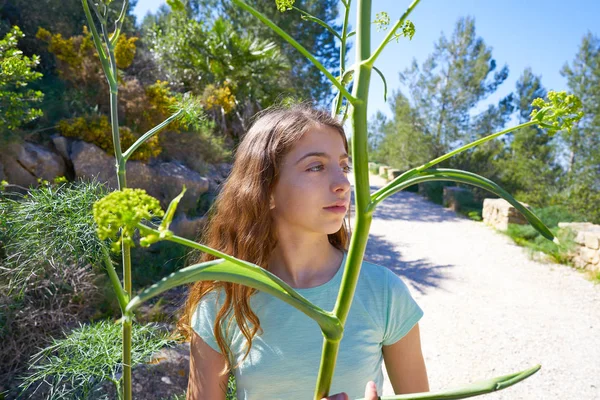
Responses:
[426,122]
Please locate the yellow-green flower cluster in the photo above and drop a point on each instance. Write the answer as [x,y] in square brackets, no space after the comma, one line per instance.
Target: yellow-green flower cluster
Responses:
[284,5]
[561,112]
[123,210]
[382,20]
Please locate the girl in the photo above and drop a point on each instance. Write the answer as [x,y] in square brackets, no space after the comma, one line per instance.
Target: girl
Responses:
[283,208]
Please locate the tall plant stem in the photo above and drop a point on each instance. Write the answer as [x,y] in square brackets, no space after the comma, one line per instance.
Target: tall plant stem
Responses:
[122,184]
[363,219]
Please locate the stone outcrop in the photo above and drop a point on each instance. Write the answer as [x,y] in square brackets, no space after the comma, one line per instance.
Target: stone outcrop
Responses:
[587,237]
[24,163]
[161,180]
[498,213]
[393,173]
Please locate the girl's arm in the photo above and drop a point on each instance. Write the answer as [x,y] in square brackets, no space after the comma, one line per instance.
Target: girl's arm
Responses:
[205,366]
[405,365]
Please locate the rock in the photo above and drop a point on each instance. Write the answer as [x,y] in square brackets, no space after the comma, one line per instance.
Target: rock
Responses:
[170,177]
[188,228]
[91,162]
[587,236]
[63,146]
[25,163]
[499,213]
[163,181]
[217,174]
[592,240]
[393,173]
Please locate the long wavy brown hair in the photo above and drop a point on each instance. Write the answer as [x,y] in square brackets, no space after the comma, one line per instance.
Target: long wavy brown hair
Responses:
[239,222]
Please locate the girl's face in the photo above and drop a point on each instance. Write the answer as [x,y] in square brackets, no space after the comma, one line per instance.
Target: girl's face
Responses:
[313,177]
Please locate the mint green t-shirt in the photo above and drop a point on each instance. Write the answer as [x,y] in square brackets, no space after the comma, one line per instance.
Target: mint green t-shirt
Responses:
[284,361]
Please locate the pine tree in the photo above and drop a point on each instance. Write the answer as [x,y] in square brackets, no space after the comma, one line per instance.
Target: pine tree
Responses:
[455,77]
[582,144]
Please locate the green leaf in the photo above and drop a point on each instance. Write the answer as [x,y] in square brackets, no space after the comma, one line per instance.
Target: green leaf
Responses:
[384,83]
[166,221]
[446,174]
[245,273]
[475,389]
[176,5]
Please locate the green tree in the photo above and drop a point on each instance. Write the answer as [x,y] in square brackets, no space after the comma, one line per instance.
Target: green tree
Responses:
[308,82]
[453,79]
[399,141]
[16,74]
[235,73]
[582,144]
[528,166]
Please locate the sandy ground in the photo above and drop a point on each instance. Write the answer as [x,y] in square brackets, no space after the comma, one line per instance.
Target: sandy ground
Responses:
[489,310]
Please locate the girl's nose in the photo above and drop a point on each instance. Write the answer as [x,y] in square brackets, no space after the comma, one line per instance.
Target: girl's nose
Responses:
[341,182]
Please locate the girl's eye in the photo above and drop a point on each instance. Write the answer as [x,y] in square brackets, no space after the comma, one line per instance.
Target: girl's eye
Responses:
[316,168]
[347,169]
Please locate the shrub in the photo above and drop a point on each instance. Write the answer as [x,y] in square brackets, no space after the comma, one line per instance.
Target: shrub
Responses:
[48,280]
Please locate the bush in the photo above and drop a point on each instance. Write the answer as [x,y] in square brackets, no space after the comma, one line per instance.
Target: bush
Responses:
[49,277]
[434,191]
[70,367]
[527,236]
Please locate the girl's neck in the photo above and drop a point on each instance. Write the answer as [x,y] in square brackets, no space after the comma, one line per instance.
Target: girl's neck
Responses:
[305,265]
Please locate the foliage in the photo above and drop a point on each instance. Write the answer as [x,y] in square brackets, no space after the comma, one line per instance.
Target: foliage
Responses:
[581,182]
[47,276]
[235,74]
[528,164]
[96,129]
[69,368]
[453,79]
[49,224]
[16,74]
[306,81]
[526,235]
[399,142]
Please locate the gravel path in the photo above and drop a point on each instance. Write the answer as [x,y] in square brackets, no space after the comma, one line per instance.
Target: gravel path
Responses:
[489,310]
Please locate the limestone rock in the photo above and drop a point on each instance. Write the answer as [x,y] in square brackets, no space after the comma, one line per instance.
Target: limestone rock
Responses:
[63,146]
[25,163]
[161,180]
[188,228]
[393,173]
[499,213]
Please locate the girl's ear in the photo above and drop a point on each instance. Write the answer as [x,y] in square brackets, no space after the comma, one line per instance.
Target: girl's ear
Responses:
[271,202]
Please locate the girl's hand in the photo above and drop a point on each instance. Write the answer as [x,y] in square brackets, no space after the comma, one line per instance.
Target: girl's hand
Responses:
[370,393]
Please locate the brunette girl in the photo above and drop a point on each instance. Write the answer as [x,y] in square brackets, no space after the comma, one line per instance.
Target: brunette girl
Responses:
[283,208]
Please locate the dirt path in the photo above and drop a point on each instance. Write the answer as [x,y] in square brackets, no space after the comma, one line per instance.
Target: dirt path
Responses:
[489,310]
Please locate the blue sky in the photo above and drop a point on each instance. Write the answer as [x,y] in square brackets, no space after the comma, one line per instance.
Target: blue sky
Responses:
[541,34]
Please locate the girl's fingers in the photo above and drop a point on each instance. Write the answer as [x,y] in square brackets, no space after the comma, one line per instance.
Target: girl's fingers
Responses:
[371,391]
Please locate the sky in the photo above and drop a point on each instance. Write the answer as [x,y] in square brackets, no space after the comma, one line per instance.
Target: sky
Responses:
[541,34]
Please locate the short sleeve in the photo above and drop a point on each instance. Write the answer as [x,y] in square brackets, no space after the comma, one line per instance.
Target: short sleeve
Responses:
[203,320]
[403,312]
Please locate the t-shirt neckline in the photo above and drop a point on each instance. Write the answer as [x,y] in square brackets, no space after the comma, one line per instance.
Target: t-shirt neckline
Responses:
[332,281]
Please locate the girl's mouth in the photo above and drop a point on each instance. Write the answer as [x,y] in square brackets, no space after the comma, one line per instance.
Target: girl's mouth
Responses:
[336,209]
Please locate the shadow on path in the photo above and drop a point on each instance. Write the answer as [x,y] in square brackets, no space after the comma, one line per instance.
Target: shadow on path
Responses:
[413,207]
[422,274]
